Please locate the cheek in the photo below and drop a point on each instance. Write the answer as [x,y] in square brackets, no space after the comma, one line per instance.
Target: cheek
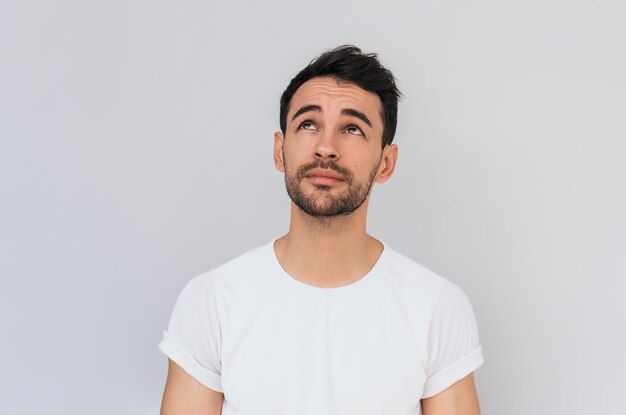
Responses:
[296,152]
[370,162]
[365,157]
[290,159]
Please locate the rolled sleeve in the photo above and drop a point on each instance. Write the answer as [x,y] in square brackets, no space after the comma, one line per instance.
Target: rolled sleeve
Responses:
[170,347]
[193,337]
[454,349]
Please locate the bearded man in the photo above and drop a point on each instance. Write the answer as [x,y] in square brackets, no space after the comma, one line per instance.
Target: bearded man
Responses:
[325,319]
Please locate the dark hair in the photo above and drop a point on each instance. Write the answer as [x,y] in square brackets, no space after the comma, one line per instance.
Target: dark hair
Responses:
[347,63]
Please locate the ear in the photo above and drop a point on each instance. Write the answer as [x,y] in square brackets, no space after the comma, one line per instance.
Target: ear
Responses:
[387,163]
[279,141]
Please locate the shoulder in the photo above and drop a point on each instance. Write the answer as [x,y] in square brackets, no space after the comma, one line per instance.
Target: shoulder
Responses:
[414,286]
[241,269]
[405,271]
[248,261]
[441,292]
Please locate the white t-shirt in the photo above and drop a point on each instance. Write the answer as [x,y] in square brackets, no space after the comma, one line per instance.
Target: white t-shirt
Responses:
[274,345]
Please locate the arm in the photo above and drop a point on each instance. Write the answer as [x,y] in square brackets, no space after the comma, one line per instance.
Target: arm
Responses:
[184,395]
[458,399]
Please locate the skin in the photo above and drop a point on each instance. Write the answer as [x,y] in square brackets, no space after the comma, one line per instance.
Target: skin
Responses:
[326,251]
[458,399]
[336,251]
[184,395]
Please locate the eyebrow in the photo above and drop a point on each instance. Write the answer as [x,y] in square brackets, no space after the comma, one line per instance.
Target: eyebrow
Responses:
[306,108]
[346,111]
[357,114]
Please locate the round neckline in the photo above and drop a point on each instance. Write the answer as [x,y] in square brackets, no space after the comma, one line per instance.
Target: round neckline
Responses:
[284,275]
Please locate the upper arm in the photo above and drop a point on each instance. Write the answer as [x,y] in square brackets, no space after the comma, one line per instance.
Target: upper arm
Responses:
[453,349]
[458,399]
[184,395]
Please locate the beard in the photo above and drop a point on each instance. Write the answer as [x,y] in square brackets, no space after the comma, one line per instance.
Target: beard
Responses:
[322,203]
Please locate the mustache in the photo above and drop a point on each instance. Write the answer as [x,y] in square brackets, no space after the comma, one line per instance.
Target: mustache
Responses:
[321,164]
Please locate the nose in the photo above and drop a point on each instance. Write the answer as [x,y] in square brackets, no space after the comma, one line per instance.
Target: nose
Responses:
[326,147]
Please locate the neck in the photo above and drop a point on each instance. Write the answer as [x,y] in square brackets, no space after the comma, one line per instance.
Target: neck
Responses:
[327,252]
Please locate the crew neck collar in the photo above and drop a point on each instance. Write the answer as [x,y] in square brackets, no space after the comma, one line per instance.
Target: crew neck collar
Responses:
[364,280]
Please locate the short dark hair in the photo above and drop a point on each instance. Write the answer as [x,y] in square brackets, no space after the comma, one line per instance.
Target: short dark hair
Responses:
[347,63]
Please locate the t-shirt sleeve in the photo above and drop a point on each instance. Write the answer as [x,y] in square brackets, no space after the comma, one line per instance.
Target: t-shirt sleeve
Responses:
[454,349]
[193,337]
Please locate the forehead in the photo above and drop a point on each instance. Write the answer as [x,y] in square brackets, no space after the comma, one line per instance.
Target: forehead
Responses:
[333,95]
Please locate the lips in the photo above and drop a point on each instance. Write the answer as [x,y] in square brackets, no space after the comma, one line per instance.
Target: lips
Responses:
[324,176]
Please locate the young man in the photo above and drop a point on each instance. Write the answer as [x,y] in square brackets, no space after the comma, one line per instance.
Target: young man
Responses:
[325,319]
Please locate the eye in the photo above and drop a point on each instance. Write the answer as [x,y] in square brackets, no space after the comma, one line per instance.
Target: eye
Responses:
[306,125]
[353,129]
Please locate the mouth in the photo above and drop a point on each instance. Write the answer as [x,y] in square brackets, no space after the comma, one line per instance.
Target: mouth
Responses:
[324,177]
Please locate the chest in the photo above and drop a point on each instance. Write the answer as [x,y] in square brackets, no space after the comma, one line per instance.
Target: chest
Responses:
[313,354]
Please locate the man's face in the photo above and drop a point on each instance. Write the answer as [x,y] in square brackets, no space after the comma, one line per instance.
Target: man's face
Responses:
[331,153]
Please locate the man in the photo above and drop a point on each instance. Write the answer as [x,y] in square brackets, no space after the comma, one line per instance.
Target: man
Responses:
[325,319]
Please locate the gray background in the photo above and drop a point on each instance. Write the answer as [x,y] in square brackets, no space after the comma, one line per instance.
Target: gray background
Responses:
[136,152]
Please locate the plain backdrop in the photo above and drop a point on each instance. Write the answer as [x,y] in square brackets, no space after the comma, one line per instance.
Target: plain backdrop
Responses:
[136,152]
